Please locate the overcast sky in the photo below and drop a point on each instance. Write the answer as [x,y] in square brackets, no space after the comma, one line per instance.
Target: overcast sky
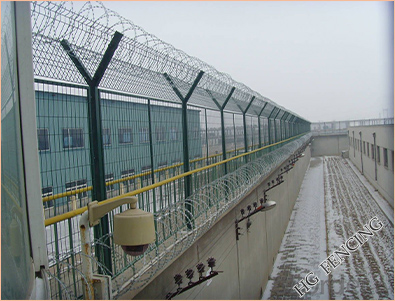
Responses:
[322,60]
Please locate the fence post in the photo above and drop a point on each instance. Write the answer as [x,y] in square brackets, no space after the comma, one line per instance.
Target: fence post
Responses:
[151,147]
[284,118]
[259,125]
[96,139]
[287,126]
[245,126]
[375,155]
[234,134]
[205,121]
[269,123]
[184,100]
[281,129]
[275,127]
[221,108]
[360,141]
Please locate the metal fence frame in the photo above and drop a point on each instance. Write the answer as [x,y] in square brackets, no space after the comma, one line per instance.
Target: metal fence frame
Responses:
[85,57]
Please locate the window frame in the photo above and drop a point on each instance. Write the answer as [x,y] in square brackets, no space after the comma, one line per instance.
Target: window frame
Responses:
[173,133]
[47,204]
[144,133]
[109,136]
[130,183]
[160,134]
[79,184]
[47,139]
[81,139]
[109,177]
[121,132]
[385,157]
[367,149]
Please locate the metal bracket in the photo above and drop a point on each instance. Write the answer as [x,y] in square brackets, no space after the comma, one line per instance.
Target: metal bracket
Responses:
[189,273]
[264,206]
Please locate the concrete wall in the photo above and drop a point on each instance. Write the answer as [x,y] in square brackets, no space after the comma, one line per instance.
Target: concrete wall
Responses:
[328,145]
[246,263]
[385,172]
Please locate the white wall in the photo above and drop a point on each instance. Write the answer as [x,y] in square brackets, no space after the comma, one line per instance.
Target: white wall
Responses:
[384,181]
[328,145]
[246,263]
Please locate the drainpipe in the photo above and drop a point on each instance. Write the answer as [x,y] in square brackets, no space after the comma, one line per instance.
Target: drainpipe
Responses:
[360,138]
[375,156]
[353,142]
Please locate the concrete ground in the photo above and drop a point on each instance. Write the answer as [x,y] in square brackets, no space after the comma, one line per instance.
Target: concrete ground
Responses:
[333,206]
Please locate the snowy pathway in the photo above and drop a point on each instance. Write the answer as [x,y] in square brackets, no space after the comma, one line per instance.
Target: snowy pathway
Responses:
[333,205]
[304,243]
[369,272]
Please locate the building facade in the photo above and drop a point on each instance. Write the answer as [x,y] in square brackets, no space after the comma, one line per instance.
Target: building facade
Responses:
[138,138]
[372,152]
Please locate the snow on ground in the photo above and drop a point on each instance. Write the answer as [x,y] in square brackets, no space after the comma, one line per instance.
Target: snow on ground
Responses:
[304,243]
[333,205]
[368,273]
[384,205]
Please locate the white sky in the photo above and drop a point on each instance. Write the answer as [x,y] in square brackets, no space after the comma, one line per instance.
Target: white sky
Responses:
[322,60]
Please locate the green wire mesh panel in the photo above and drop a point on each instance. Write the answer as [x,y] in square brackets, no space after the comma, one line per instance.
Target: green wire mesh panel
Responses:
[209,202]
[230,144]
[139,62]
[239,133]
[126,144]
[144,141]
[254,132]
[63,146]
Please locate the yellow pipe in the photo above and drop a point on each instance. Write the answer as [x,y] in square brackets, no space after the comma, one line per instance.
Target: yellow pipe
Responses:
[64,216]
[74,192]
[76,212]
[67,193]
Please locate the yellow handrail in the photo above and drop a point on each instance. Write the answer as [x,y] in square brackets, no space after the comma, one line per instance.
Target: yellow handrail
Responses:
[70,214]
[147,173]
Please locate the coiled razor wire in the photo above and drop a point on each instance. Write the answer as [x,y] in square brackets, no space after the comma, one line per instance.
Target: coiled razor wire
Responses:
[137,67]
[209,204]
[139,62]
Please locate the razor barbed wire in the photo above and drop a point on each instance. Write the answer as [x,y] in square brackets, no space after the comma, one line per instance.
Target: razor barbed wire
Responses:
[139,62]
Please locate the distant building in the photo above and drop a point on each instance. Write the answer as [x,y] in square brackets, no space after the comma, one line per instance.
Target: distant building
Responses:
[372,152]
[64,151]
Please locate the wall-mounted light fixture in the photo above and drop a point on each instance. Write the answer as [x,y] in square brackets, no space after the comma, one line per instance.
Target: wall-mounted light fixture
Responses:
[265,205]
[286,169]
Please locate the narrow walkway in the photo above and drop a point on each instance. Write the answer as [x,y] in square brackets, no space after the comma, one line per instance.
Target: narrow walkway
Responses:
[369,272]
[333,205]
[304,244]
